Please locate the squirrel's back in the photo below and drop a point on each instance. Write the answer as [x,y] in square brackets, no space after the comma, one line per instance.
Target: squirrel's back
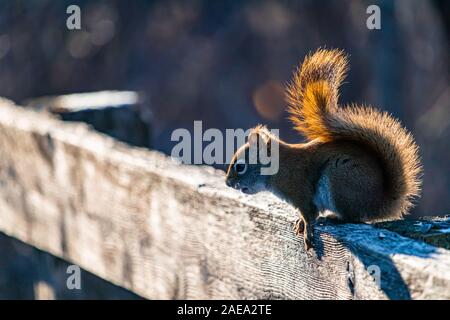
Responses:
[313,105]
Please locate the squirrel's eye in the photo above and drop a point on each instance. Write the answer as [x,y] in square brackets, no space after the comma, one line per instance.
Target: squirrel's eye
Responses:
[240,167]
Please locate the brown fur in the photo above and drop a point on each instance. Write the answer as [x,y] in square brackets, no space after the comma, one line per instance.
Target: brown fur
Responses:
[360,163]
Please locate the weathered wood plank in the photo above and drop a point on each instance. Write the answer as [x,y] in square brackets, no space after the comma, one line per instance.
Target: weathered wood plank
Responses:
[168,231]
[124,115]
[432,230]
[27,273]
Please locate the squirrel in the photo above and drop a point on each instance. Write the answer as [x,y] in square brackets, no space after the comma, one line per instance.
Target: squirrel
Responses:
[359,164]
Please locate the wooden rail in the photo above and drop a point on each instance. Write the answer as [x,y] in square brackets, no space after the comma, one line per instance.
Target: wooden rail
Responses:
[168,231]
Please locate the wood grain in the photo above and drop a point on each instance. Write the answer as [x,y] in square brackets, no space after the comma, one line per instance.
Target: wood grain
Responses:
[167,231]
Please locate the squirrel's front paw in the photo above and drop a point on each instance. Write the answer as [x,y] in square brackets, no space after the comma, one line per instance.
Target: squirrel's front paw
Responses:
[308,237]
[306,231]
[299,227]
[308,243]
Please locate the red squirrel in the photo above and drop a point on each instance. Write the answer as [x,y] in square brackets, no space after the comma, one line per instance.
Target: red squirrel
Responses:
[359,164]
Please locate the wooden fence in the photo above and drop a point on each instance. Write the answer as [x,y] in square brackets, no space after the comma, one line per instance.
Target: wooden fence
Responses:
[168,231]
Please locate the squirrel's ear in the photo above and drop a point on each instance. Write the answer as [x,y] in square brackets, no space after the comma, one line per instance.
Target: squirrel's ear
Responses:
[259,139]
[253,137]
[259,133]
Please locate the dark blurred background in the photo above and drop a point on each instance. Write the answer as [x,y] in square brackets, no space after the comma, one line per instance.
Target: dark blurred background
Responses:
[225,62]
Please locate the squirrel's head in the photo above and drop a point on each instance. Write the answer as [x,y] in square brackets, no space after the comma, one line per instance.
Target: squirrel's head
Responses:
[245,169]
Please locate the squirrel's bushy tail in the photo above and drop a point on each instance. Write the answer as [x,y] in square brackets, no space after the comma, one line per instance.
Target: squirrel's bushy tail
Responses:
[313,105]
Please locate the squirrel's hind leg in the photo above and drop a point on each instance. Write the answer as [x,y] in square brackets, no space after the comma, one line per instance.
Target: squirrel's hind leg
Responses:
[331,218]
